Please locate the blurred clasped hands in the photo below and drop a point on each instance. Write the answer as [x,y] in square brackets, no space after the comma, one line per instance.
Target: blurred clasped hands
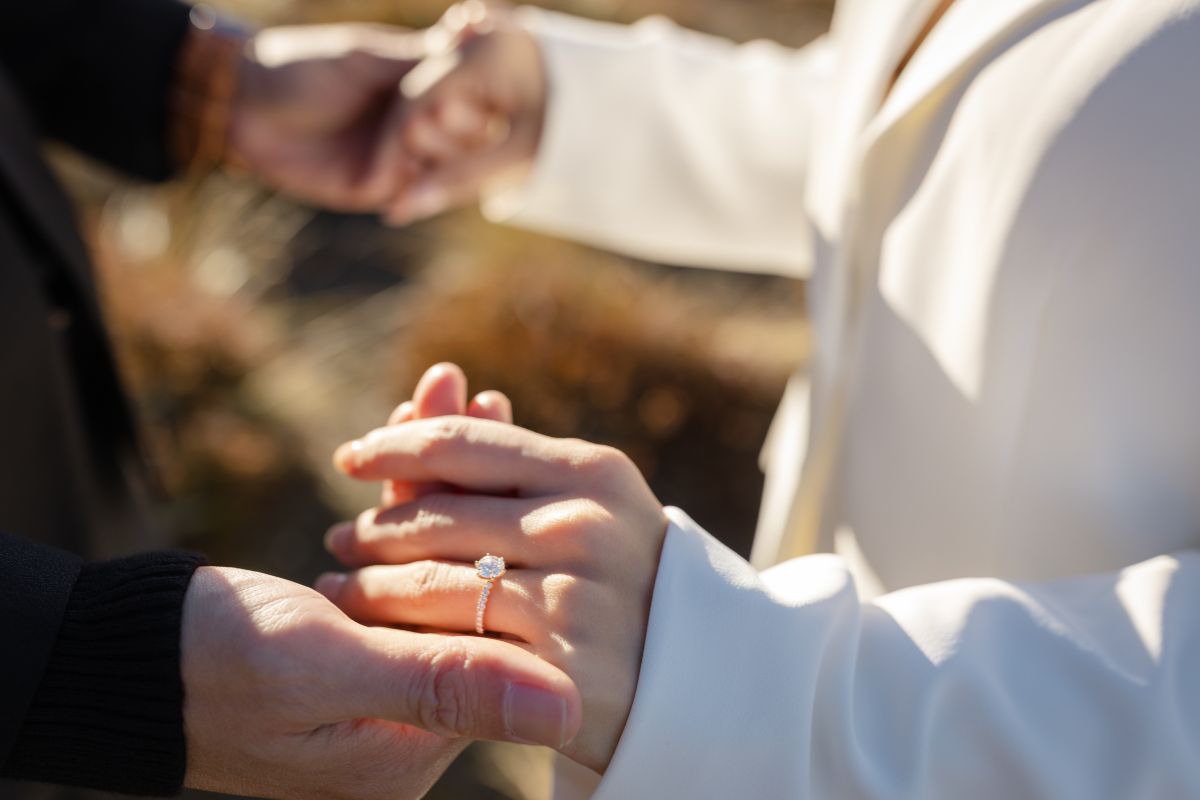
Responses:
[371,685]
[372,118]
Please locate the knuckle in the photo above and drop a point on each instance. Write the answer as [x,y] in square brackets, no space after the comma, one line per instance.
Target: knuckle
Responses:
[364,533]
[433,513]
[602,463]
[432,581]
[429,514]
[559,592]
[568,601]
[442,439]
[579,519]
[445,697]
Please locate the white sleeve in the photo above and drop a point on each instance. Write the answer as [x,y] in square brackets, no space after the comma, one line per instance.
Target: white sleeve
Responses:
[671,145]
[785,685]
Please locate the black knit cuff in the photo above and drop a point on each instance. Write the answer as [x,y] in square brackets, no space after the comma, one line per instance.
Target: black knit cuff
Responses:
[109,712]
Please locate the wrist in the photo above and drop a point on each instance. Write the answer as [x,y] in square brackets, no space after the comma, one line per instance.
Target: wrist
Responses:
[209,70]
[108,711]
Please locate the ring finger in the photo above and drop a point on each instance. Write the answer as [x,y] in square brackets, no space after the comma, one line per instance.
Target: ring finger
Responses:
[441,595]
[450,527]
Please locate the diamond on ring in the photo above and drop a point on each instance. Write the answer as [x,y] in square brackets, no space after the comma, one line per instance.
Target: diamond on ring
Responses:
[489,568]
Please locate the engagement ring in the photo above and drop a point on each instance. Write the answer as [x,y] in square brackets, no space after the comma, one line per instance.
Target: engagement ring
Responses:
[489,568]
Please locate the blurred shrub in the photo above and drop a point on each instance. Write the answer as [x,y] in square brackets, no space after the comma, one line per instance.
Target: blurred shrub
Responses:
[680,369]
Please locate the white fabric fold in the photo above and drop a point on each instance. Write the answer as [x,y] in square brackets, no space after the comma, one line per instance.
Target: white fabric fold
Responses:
[785,685]
[719,163]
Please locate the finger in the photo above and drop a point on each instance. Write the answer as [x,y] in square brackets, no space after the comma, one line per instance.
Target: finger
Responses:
[461,16]
[474,454]
[439,594]
[396,492]
[426,139]
[442,390]
[411,135]
[376,76]
[403,413]
[466,686]
[439,526]
[453,183]
[491,405]
[463,121]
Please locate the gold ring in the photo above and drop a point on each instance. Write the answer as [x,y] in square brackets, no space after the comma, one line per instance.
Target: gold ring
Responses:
[489,569]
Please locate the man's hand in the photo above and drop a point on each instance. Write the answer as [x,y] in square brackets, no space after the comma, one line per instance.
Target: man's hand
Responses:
[308,117]
[286,697]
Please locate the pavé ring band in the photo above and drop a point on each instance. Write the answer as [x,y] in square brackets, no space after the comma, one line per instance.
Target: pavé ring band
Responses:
[489,569]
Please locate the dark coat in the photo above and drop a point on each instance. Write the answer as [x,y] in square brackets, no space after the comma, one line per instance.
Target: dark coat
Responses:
[96,75]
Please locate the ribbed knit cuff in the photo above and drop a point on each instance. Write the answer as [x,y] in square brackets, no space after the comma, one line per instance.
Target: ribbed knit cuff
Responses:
[108,713]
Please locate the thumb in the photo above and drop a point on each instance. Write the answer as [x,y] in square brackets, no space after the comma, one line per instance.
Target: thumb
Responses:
[461,686]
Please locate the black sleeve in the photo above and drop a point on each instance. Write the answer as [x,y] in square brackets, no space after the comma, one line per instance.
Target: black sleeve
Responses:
[105,710]
[98,74]
[35,585]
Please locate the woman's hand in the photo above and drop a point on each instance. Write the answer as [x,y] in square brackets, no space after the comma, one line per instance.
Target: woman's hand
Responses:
[473,114]
[579,528]
[442,391]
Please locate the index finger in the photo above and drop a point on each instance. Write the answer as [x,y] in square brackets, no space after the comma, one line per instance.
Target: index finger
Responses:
[479,455]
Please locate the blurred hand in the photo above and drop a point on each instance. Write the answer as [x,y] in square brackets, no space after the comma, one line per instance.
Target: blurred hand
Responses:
[475,114]
[578,526]
[286,697]
[308,117]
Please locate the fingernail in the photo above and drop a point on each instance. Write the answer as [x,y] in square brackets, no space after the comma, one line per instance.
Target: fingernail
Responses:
[330,584]
[346,456]
[534,716]
[337,540]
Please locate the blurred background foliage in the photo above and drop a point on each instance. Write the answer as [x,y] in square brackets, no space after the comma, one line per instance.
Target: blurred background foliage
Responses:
[256,334]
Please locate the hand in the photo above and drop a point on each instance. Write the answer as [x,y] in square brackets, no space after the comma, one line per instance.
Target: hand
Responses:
[576,522]
[286,697]
[441,391]
[479,120]
[309,112]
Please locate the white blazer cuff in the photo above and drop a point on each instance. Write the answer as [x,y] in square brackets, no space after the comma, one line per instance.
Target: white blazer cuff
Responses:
[713,708]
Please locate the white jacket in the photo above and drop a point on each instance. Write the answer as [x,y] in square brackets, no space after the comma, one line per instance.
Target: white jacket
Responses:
[1003,436]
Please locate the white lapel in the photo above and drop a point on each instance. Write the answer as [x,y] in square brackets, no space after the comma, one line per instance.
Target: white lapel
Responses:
[870,161]
[969,30]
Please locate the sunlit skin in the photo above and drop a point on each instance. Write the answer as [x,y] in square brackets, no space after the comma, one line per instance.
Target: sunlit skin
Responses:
[586,539]
[288,697]
[577,525]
